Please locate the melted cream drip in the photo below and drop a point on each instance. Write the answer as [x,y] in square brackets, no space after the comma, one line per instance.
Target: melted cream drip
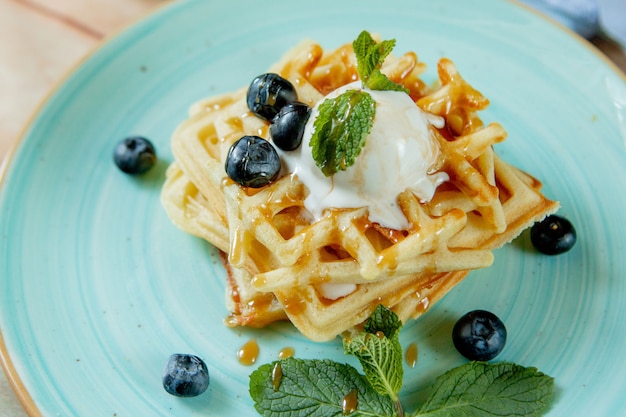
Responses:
[399,154]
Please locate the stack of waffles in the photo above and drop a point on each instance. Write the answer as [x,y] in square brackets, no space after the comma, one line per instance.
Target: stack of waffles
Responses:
[279,259]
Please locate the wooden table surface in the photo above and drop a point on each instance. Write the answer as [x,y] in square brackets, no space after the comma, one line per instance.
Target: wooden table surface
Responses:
[41,40]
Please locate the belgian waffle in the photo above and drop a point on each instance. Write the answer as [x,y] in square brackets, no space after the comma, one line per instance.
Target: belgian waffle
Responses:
[278,257]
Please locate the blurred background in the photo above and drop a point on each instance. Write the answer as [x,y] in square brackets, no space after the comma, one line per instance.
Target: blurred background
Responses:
[42,40]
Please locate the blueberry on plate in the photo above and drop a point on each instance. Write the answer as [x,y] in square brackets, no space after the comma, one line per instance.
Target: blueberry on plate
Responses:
[553,235]
[288,125]
[134,155]
[479,335]
[252,162]
[268,93]
[185,375]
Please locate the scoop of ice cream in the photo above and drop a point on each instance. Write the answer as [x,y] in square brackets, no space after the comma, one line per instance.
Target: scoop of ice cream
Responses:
[399,154]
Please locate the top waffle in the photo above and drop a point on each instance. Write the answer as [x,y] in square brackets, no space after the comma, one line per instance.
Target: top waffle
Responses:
[279,253]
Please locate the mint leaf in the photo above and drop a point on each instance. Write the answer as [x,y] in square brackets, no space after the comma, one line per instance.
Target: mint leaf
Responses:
[314,387]
[340,130]
[370,57]
[369,54]
[306,387]
[384,320]
[379,81]
[479,389]
[379,351]
[343,123]
[380,358]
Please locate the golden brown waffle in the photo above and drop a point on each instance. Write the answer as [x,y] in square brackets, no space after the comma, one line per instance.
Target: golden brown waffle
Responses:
[277,256]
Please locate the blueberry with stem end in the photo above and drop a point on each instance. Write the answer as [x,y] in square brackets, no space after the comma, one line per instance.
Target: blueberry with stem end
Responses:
[185,375]
[479,335]
[287,127]
[252,162]
[553,235]
[268,93]
[134,155]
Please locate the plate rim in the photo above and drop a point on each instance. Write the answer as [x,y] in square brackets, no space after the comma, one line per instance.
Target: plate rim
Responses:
[13,378]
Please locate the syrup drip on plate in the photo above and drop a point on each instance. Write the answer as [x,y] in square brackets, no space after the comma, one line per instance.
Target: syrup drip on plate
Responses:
[410,356]
[286,352]
[248,353]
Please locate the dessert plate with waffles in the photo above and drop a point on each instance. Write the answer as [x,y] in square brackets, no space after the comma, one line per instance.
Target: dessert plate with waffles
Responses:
[473,124]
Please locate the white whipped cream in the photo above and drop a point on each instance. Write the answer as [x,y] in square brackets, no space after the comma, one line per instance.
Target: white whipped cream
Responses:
[399,154]
[333,291]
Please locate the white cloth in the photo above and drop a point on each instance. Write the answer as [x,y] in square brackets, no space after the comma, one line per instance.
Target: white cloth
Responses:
[613,19]
[588,17]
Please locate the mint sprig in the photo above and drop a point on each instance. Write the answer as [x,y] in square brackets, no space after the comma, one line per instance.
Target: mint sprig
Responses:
[341,128]
[379,351]
[370,57]
[343,123]
[313,387]
[480,389]
[319,387]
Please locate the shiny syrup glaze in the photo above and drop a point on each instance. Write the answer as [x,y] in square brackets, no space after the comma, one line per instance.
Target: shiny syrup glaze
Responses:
[388,258]
[248,353]
[277,375]
[294,304]
[349,402]
[410,355]
[423,305]
[286,352]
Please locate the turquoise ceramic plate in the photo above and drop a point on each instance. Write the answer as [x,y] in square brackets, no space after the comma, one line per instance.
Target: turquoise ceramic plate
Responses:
[98,288]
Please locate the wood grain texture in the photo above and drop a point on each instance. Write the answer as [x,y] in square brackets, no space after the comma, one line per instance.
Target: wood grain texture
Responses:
[98,17]
[40,41]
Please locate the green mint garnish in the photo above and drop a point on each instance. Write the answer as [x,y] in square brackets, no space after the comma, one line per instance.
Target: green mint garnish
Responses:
[383,320]
[341,127]
[313,387]
[320,387]
[370,57]
[344,122]
[379,351]
[481,389]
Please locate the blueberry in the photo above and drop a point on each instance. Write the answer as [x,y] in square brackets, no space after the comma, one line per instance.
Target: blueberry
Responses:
[185,375]
[553,235]
[287,126]
[268,93]
[134,155]
[252,162]
[479,335]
